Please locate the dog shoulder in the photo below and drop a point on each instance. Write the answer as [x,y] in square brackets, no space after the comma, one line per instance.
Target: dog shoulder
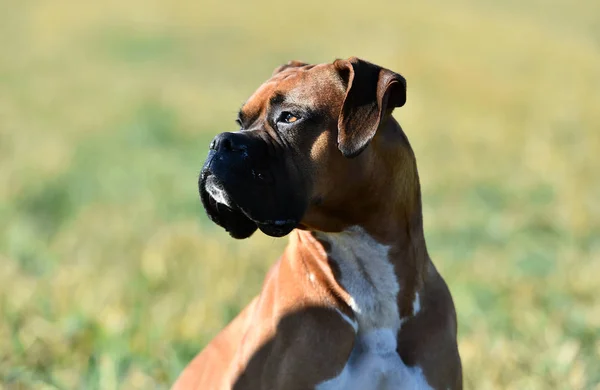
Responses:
[315,340]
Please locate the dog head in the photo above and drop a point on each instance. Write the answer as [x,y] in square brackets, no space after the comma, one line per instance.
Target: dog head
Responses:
[315,146]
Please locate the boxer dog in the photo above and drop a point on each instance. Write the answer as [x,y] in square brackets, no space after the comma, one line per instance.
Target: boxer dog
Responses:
[355,302]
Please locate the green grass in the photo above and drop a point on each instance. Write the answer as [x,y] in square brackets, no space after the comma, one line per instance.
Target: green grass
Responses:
[112,277]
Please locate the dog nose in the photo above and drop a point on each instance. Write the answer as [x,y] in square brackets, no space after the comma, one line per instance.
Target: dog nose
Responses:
[228,142]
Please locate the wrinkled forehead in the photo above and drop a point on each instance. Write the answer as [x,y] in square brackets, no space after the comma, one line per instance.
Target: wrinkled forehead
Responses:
[311,86]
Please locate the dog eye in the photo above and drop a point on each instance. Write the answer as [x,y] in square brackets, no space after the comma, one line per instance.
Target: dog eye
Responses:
[288,117]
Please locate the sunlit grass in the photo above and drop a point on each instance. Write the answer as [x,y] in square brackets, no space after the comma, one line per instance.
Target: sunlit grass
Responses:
[112,277]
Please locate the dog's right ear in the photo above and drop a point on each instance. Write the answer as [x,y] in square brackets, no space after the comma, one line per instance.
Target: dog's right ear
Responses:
[291,64]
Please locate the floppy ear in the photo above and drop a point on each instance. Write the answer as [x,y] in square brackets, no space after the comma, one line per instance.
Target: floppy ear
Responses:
[291,64]
[372,93]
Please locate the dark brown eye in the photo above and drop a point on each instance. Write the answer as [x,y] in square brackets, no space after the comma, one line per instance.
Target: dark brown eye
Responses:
[288,117]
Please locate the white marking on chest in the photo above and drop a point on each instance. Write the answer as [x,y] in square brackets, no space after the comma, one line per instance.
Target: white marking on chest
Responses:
[375,365]
[416,304]
[349,320]
[369,278]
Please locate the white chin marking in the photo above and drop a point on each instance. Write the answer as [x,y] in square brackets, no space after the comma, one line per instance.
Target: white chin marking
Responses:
[218,194]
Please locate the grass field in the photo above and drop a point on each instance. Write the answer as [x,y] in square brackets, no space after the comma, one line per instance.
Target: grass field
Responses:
[112,277]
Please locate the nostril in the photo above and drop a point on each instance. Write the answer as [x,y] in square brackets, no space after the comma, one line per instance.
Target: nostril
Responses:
[226,144]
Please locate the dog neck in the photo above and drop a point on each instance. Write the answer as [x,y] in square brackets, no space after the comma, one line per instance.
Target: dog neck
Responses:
[381,262]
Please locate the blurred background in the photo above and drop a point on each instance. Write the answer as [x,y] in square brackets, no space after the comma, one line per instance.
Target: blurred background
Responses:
[112,277]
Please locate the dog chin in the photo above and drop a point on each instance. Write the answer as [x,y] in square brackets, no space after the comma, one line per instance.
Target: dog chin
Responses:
[222,209]
[277,228]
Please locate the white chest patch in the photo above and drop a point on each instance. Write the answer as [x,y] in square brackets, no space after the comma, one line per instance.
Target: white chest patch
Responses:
[375,365]
[368,276]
